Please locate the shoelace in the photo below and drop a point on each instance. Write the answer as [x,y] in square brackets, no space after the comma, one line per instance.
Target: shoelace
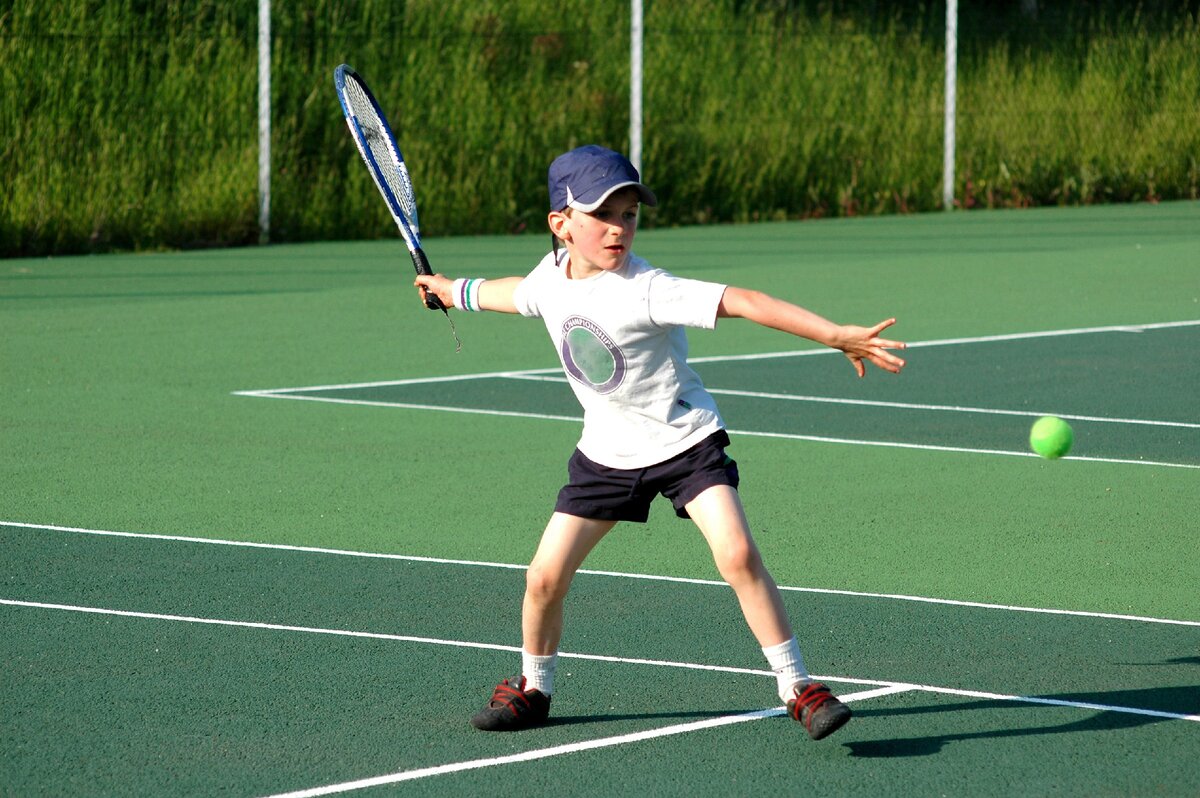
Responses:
[813,697]
[505,694]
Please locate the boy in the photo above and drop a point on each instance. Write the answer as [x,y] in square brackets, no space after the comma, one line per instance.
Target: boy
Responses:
[650,427]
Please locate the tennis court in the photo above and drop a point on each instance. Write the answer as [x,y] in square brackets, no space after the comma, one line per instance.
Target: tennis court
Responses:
[208,589]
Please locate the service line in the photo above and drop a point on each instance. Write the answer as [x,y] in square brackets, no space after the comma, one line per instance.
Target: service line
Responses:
[618,574]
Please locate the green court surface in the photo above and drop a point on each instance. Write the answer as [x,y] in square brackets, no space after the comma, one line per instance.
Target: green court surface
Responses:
[1095,378]
[190,668]
[263,531]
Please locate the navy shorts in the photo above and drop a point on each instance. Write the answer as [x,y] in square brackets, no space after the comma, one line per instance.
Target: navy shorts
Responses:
[614,494]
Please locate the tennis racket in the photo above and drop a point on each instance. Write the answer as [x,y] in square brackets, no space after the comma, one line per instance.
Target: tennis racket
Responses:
[381,153]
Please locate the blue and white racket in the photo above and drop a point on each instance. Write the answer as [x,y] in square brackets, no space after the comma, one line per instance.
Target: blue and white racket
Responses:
[381,153]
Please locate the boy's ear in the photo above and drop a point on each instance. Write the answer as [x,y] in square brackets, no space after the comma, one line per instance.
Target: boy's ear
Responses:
[558,225]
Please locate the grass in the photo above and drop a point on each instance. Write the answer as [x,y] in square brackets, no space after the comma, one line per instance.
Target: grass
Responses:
[133,124]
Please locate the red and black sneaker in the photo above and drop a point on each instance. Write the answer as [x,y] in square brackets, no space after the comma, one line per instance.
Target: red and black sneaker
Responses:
[513,708]
[817,708]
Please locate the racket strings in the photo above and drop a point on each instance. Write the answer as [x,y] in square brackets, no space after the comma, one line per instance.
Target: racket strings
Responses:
[392,168]
[378,148]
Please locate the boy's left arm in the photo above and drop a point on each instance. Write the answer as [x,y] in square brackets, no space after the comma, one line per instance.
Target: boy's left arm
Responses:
[857,343]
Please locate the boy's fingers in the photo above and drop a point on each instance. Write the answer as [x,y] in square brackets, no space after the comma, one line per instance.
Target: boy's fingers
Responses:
[888,362]
[885,342]
[881,326]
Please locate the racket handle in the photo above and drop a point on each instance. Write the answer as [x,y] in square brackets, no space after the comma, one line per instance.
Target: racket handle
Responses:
[421,264]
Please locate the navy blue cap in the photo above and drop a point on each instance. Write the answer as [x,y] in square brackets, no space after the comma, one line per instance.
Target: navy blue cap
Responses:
[584,177]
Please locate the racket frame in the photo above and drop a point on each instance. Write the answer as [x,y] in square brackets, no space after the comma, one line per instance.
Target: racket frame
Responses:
[410,229]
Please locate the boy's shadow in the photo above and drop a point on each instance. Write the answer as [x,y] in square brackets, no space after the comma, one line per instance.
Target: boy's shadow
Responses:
[1179,700]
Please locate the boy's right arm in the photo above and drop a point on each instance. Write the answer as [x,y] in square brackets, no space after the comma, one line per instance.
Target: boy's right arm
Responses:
[494,295]
[857,343]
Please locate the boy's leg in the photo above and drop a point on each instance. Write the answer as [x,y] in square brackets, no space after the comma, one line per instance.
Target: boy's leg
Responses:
[565,544]
[525,701]
[718,513]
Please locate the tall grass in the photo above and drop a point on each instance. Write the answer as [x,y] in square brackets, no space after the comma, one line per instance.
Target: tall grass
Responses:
[1114,118]
[132,123]
[125,124]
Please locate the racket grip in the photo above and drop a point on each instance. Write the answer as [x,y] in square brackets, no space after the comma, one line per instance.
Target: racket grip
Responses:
[421,264]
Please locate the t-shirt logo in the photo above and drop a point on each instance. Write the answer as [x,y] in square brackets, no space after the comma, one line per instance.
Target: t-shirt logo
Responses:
[590,356]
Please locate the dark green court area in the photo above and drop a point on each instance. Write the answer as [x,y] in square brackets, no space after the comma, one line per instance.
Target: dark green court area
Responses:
[204,702]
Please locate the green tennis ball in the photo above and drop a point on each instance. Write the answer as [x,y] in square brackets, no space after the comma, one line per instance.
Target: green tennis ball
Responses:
[1051,437]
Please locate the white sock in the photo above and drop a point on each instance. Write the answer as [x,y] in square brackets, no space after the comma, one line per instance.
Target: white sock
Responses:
[538,671]
[788,664]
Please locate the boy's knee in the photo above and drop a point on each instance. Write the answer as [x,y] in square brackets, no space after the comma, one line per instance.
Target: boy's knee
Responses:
[545,584]
[739,561]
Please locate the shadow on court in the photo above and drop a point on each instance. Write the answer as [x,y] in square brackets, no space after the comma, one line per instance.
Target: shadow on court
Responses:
[1182,700]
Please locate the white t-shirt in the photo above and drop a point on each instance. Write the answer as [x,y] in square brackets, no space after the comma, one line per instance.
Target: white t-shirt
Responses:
[621,341]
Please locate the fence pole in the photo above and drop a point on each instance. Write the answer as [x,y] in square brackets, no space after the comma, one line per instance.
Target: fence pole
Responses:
[951,109]
[635,85]
[264,121]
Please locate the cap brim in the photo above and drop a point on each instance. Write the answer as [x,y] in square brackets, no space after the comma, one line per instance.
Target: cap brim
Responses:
[645,195]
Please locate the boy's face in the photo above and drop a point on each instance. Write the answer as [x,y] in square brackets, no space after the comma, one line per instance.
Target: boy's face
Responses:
[600,240]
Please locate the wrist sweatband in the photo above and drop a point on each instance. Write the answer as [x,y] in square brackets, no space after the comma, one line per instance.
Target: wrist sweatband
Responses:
[466,293]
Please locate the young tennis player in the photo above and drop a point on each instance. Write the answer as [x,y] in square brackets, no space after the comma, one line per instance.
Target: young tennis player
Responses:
[650,426]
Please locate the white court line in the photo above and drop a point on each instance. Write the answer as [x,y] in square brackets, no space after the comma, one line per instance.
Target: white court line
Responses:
[388,383]
[879,689]
[837,400]
[410,381]
[283,394]
[948,408]
[979,339]
[569,748]
[528,756]
[885,686]
[928,447]
[1127,328]
[955,449]
[553,374]
[592,572]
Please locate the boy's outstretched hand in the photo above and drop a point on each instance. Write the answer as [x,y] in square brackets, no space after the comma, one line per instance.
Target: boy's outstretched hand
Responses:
[859,343]
[864,343]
